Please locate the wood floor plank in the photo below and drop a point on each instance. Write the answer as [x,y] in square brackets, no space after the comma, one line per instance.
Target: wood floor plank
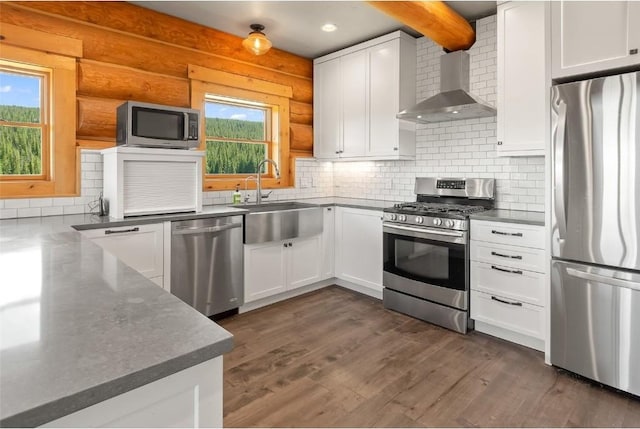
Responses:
[335,358]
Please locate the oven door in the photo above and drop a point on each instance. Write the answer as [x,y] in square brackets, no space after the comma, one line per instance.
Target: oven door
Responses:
[428,263]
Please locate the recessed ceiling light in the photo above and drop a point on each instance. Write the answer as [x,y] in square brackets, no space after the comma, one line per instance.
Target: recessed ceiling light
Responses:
[455,112]
[328,27]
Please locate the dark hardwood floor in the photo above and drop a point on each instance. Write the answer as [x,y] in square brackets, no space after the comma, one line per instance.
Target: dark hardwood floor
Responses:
[335,358]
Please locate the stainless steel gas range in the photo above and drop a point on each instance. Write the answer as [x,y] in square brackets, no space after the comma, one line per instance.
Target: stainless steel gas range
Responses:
[426,250]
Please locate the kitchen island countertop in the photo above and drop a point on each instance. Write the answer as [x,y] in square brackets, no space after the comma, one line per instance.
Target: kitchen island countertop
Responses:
[80,327]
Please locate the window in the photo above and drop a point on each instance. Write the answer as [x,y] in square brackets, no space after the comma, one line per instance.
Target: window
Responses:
[244,122]
[38,154]
[24,121]
[238,135]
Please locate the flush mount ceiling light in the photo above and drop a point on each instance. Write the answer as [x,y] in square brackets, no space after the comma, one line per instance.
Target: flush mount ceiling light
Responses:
[328,27]
[256,42]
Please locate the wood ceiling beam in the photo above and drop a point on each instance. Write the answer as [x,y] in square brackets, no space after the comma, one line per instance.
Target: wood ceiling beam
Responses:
[434,19]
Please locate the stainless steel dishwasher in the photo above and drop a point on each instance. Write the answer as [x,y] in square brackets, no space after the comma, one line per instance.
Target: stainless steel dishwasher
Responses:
[207,263]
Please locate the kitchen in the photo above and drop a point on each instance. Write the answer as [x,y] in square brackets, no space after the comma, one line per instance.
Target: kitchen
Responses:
[111,72]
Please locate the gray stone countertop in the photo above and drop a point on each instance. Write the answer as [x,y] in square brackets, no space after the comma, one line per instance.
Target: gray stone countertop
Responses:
[80,327]
[511,216]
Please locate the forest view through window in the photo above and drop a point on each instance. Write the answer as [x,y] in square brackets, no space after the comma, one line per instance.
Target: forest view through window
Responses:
[238,135]
[23,124]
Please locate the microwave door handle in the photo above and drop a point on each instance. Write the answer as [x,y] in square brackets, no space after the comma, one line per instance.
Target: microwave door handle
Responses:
[185,136]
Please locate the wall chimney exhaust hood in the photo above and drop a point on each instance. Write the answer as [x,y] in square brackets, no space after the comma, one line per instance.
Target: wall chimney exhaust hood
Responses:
[454,102]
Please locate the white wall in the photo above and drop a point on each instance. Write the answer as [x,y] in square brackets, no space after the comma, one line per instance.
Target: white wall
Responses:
[453,149]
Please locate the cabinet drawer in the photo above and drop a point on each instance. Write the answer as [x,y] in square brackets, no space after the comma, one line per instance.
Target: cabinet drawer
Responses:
[512,234]
[525,286]
[518,317]
[512,256]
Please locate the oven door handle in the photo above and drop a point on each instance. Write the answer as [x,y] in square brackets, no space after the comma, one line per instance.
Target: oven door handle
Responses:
[447,236]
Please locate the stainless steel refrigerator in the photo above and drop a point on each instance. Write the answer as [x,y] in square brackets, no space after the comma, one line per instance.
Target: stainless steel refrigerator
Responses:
[595,274]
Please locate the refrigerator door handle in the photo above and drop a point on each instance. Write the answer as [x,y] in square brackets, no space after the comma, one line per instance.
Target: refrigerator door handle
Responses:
[603,279]
[559,170]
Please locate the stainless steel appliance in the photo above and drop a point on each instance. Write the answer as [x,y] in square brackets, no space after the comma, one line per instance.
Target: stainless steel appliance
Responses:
[156,125]
[207,263]
[426,250]
[454,101]
[595,273]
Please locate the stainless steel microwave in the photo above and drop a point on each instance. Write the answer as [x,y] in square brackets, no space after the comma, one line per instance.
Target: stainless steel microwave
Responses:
[156,125]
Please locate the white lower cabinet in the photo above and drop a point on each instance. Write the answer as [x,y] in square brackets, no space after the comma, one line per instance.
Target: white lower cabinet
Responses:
[139,246]
[508,281]
[276,267]
[358,248]
[189,398]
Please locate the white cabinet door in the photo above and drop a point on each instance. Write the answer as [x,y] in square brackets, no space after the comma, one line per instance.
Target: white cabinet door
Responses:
[139,246]
[355,98]
[359,247]
[304,261]
[592,36]
[327,110]
[376,79]
[384,87]
[523,84]
[264,270]
[328,243]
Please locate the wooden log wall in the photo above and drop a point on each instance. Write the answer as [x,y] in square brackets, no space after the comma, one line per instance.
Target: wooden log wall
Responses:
[134,53]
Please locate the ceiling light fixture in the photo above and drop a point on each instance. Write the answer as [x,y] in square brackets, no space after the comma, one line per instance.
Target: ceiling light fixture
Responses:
[329,27]
[256,42]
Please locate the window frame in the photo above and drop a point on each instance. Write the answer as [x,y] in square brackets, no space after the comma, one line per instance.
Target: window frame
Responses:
[44,122]
[270,137]
[62,162]
[207,81]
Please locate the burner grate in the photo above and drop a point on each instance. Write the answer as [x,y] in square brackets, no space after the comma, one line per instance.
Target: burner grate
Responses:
[419,208]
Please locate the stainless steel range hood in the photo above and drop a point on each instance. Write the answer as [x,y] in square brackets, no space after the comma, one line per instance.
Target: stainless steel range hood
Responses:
[454,102]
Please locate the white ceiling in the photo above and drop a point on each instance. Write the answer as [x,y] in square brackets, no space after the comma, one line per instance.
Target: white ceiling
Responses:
[294,26]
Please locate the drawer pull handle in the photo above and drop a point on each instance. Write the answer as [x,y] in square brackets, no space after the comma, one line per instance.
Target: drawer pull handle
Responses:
[493,267]
[517,304]
[512,234]
[111,231]
[506,256]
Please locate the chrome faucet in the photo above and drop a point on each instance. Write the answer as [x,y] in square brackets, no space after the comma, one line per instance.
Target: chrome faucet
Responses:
[259,195]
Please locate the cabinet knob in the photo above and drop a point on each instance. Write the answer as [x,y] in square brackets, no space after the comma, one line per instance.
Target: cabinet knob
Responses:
[290,244]
[633,51]
[499,143]
[286,245]
[395,148]
[329,209]
[337,151]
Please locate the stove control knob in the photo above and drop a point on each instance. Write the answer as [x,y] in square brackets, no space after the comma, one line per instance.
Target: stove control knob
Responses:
[449,223]
[393,216]
[419,219]
[403,218]
[437,221]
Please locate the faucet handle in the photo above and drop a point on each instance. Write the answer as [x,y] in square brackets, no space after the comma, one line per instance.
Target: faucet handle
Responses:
[267,194]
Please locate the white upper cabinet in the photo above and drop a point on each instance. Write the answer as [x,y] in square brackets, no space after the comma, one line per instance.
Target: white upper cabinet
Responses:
[594,36]
[357,93]
[523,79]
